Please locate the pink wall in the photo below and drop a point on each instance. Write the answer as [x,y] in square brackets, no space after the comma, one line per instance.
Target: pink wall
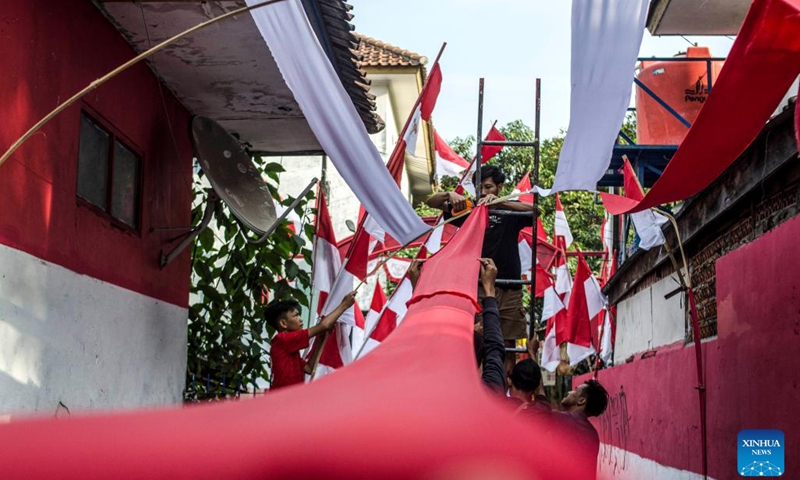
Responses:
[751,370]
[50,51]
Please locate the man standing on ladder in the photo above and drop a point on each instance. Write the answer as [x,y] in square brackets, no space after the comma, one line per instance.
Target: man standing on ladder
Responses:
[499,244]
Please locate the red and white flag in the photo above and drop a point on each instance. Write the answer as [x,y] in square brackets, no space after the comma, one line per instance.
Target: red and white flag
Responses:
[448,162]
[562,226]
[585,302]
[326,258]
[525,248]
[646,223]
[607,327]
[375,309]
[389,319]
[551,310]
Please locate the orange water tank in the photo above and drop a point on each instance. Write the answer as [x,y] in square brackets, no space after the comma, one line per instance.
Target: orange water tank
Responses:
[682,85]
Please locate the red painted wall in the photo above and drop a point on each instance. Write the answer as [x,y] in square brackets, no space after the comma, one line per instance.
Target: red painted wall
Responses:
[752,370]
[51,50]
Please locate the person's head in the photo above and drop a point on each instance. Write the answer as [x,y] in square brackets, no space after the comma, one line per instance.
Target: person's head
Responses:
[525,378]
[284,315]
[492,180]
[590,398]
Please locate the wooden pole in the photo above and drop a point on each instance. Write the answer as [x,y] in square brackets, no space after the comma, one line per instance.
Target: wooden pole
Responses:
[96,83]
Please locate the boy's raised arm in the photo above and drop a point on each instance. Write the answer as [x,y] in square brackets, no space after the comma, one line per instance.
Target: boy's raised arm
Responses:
[328,321]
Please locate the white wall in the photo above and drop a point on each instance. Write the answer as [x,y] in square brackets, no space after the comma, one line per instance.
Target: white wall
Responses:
[70,338]
[647,320]
[619,464]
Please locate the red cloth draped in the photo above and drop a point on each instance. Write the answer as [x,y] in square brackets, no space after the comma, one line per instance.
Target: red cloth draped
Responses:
[415,408]
[761,66]
[452,264]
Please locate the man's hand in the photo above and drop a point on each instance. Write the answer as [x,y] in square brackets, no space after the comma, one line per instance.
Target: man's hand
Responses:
[348,300]
[457,202]
[414,271]
[488,276]
[533,347]
[488,199]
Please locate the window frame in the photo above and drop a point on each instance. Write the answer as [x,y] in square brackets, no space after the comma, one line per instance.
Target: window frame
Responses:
[115,135]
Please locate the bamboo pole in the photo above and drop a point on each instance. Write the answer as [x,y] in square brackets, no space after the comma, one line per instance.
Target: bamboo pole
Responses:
[96,83]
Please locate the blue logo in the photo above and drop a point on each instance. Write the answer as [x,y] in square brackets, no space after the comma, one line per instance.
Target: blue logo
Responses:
[761,453]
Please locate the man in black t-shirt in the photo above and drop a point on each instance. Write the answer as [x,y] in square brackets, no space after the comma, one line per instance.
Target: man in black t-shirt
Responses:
[499,244]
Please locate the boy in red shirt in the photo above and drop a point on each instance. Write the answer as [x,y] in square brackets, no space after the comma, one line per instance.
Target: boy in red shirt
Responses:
[284,316]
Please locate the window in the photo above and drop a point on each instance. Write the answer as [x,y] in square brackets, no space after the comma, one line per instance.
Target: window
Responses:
[108,173]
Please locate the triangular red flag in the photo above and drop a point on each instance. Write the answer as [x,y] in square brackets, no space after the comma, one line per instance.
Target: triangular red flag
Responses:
[633,189]
[431,92]
[489,151]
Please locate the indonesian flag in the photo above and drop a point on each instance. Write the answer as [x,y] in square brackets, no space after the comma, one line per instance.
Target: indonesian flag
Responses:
[608,328]
[434,242]
[646,223]
[563,279]
[336,352]
[326,259]
[375,309]
[466,184]
[412,132]
[607,237]
[562,226]
[487,153]
[390,317]
[448,162]
[551,309]
[585,302]
[423,110]
[525,248]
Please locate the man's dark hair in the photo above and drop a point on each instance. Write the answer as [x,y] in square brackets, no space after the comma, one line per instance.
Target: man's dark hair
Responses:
[278,309]
[526,375]
[596,398]
[492,171]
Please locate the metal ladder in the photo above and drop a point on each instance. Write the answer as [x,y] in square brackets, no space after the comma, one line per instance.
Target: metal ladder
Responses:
[534,181]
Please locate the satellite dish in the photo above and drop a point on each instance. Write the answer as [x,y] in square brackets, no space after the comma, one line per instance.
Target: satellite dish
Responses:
[234,179]
[232,175]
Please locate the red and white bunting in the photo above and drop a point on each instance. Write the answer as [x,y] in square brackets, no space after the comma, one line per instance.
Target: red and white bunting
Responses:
[396,268]
[375,309]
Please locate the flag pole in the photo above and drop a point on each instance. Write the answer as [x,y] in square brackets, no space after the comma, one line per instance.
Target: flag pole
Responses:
[535,227]
[96,83]
[395,154]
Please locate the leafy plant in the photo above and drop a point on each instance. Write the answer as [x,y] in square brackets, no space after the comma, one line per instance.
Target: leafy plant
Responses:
[231,281]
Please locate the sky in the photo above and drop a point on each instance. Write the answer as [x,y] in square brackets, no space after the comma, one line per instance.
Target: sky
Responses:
[508,42]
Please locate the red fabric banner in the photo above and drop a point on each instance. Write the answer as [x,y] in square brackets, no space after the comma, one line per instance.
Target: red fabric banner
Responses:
[415,408]
[761,66]
[489,151]
[450,280]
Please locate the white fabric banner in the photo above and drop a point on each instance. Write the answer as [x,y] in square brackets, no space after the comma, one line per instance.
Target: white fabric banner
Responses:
[333,118]
[648,226]
[606,37]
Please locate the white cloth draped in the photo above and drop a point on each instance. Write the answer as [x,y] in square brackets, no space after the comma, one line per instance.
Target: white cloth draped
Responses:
[606,37]
[333,118]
